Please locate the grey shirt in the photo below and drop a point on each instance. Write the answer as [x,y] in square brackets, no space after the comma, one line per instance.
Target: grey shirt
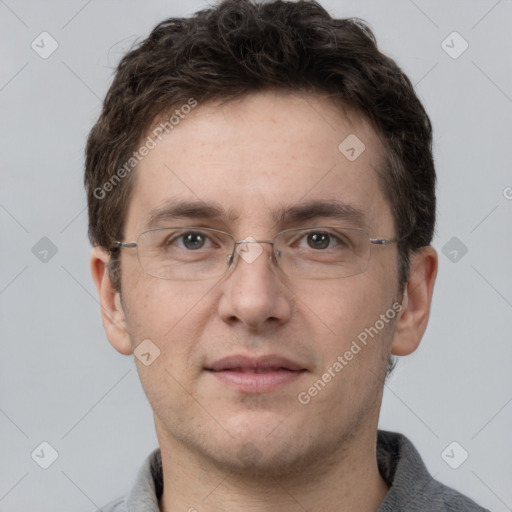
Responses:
[412,489]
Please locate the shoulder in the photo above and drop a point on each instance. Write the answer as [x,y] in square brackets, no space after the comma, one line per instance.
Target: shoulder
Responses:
[412,488]
[445,498]
[145,490]
[437,496]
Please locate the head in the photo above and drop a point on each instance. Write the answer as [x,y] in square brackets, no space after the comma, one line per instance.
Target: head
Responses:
[244,107]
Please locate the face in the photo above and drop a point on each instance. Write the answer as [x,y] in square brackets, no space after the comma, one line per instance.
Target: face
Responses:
[252,159]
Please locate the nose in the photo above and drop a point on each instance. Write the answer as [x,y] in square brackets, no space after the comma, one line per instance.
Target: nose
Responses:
[253,293]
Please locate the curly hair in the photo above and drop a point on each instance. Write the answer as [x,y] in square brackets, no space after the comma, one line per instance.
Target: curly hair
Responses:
[238,47]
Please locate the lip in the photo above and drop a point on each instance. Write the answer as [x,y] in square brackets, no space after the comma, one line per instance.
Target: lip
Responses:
[256,375]
[255,364]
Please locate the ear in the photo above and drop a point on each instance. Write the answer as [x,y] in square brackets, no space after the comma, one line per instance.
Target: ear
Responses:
[413,318]
[112,313]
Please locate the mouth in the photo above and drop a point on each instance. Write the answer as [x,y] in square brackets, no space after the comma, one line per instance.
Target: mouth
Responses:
[256,375]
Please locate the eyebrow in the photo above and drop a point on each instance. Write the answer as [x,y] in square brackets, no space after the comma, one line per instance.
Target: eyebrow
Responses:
[330,208]
[199,210]
[175,210]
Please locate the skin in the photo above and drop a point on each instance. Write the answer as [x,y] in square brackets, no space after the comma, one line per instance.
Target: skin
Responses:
[252,156]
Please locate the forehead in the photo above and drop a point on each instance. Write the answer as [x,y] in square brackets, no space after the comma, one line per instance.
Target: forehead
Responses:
[256,157]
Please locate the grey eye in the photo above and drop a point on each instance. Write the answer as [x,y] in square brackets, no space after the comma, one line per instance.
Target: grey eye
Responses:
[193,240]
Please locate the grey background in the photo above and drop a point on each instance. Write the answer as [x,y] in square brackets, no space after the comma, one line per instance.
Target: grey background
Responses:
[60,380]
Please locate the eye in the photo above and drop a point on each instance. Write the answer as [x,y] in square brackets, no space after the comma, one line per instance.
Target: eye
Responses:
[192,240]
[320,240]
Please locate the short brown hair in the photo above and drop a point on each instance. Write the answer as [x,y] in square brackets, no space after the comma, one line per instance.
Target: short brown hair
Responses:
[239,47]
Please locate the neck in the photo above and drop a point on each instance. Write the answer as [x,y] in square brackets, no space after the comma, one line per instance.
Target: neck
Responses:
[345,479]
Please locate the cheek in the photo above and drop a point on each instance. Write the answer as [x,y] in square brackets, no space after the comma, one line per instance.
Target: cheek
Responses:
[170,313]
[345,307]
[352,338]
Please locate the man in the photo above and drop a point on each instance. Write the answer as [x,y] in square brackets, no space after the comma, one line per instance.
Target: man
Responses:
[261,202]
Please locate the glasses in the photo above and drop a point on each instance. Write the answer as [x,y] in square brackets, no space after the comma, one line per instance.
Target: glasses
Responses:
[193,253]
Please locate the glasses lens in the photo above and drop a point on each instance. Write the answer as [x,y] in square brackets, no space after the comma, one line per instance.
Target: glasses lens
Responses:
[322,252]
[184,253]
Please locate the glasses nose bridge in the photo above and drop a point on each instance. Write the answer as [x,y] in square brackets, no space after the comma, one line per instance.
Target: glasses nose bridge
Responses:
[234,259]
[251,240]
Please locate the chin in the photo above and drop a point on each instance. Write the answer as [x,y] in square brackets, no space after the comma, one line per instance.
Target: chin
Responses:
[258,460]
[263,445]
